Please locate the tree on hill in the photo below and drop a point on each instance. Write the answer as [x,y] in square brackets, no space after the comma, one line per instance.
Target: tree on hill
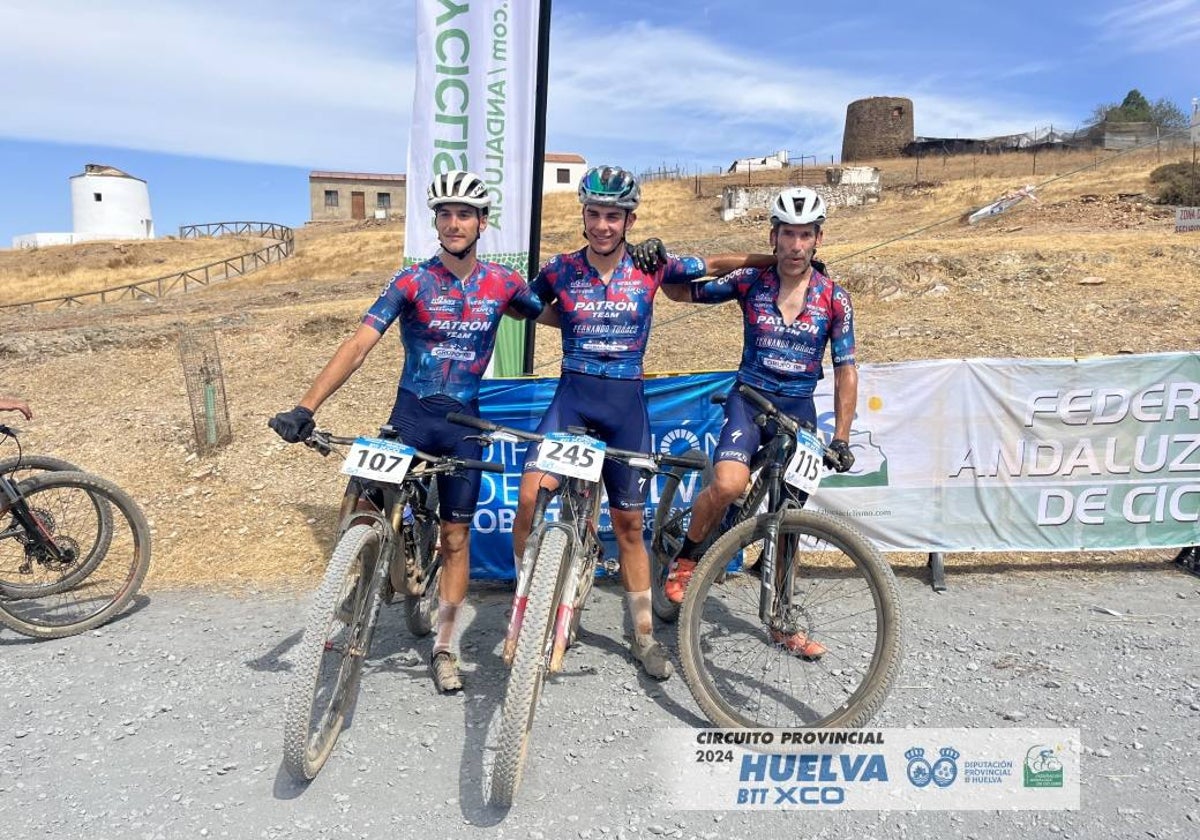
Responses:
[1136,108]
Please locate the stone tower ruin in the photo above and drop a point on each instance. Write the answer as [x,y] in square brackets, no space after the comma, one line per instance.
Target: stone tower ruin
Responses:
[879,127]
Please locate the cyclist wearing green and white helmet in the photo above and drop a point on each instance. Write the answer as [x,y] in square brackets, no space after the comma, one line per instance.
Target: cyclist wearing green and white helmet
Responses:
[604,305]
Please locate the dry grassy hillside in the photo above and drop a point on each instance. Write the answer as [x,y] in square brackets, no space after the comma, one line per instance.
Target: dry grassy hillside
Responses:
[1091,268]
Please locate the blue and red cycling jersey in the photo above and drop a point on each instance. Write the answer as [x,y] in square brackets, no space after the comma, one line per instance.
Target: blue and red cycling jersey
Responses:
[785,358]
[605,326]
[449,326]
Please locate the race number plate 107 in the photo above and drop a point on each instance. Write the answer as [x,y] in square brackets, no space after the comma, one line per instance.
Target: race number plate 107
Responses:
[578,456]
[804,471]
[378,460]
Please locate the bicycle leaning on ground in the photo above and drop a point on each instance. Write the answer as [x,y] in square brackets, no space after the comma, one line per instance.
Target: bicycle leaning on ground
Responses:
[812,636]
[556,575]
[387,545]
[74,548]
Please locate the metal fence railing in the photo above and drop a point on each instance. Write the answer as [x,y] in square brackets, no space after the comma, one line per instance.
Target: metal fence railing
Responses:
[188,279]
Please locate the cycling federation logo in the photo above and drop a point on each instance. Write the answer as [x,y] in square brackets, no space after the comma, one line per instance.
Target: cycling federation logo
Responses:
[1043,768]
[942,773]
[678,441]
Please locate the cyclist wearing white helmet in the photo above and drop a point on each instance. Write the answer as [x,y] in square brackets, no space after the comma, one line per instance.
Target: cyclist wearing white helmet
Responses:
[791,310]
[604,303]
[449,308]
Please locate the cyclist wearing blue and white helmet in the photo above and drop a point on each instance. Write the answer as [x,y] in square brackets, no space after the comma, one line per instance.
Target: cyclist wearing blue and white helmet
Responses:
[791,310]
[604,305]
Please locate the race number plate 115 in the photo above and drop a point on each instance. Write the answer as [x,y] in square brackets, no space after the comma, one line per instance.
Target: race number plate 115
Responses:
[804,471]
[378,460]
[578,456]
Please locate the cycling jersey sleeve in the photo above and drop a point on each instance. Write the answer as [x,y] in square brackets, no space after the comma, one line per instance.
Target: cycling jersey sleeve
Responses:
[395,297]
[841,328]
[723,289]
[543,285]
[682,269]
[522,300]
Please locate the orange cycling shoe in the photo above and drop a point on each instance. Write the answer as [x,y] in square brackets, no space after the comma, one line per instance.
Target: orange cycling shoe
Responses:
[677,580]
[799,644]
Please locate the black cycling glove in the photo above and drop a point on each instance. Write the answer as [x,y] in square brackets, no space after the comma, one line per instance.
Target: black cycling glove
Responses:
[839,457]
[648,256]
[293,426]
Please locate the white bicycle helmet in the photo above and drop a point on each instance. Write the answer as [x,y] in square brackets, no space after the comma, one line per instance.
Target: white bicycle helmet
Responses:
[797,206]
[458,187]
[610,186]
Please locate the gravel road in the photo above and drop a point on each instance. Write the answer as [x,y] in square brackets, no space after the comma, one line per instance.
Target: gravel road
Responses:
[167,723]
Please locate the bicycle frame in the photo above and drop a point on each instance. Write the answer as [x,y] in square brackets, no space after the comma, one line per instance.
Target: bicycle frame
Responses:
[771,461]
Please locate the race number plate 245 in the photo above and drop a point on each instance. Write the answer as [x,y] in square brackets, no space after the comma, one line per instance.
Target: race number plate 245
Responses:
[378,460]
[804,471]
[578,456]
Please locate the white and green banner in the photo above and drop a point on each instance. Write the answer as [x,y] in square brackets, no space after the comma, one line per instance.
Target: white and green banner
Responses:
[1034,455]
[473,109]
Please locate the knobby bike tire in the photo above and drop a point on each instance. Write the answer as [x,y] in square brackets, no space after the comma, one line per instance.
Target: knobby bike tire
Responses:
[420,611]
[671,518]
[529,666]
[848,597]
[101,522]
[23,468]
[330,654]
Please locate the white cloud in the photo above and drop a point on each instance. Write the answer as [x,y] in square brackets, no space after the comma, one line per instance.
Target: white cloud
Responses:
[210,80]
[329,85]
[700,97]
[1151,25]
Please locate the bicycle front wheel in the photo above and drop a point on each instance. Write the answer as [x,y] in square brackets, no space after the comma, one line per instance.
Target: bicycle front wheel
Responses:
[672,516]
[83,564]
[53,577]
[843,597]
[420,609]
[529,666]
[331,652]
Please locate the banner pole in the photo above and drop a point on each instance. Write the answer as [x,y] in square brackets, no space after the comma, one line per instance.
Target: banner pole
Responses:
[539,166]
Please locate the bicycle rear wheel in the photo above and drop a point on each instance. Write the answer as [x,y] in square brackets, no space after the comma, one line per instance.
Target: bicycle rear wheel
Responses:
[672,516]
[529,666]
[82,567]
[52,576]
[331,652]
[844,597]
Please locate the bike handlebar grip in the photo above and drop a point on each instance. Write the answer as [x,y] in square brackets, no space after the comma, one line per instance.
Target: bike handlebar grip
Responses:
[693,459]
[469,420]
[7,430]
[758,399]
[486,466]
[718,399]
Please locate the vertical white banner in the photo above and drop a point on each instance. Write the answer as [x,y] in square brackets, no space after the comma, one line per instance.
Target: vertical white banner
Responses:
[473,108]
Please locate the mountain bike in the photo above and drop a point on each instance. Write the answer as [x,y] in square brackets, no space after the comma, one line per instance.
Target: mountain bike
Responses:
[386,545]
[74,549]
[810,635]
[556,575]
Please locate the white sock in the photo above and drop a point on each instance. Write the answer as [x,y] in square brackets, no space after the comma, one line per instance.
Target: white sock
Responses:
[446,638]
[641,612]
[516,566]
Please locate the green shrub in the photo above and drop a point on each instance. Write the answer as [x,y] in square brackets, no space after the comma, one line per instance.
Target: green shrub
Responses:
[1177,183]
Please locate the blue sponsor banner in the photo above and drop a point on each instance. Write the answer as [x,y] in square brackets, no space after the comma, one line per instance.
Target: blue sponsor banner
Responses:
[682,417]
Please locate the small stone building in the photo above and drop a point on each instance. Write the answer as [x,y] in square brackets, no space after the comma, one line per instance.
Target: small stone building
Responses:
[336,196]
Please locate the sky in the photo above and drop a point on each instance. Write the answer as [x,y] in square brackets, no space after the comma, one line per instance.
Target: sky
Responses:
[225,106]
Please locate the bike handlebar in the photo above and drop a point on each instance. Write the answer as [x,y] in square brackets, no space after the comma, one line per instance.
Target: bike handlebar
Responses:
[691,460]
[322,441]
[7,431]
